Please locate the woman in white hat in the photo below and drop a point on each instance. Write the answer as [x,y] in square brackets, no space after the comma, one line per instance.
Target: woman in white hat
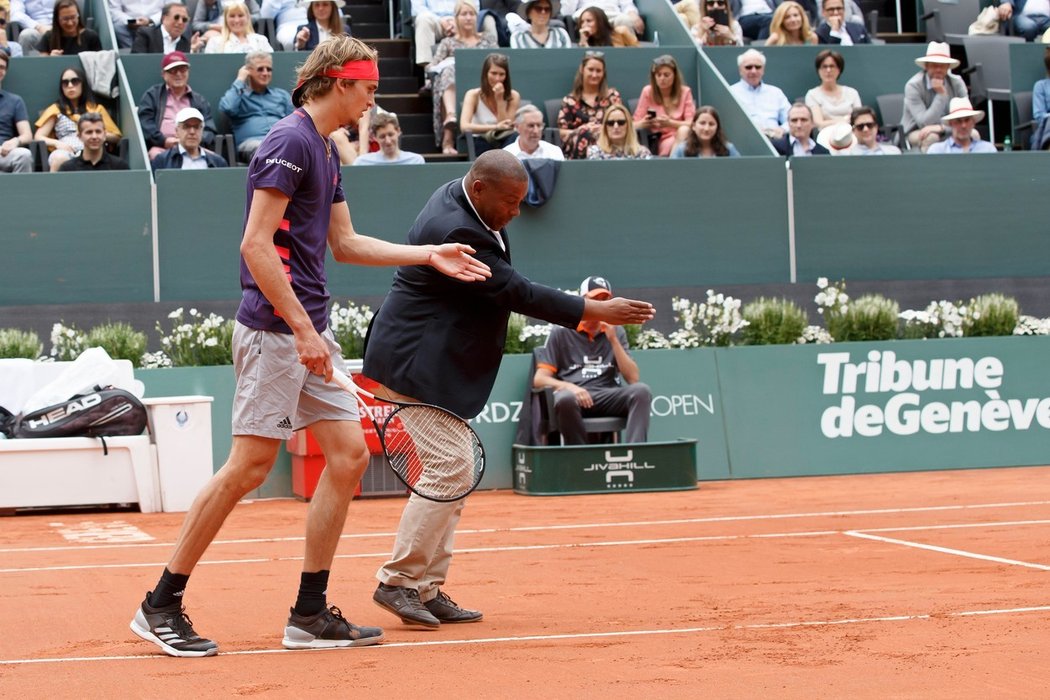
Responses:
[927,94]
[539,34]
[963,137]
[324,20]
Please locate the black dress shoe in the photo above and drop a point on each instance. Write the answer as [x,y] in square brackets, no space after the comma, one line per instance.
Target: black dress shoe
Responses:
[446,610]
[404,602]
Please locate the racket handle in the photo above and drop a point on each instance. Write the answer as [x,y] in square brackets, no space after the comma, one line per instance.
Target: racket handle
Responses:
[340,378]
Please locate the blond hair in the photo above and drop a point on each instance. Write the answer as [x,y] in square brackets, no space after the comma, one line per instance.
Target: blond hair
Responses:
[227,11]
[330,54]
[776,25]
[630,144]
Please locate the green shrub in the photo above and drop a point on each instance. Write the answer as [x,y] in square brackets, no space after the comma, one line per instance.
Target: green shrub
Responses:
[16,343]
[870,317]
[772,322]
[349,326]
[992,314]
[200,342]
[523,337]
[119,340]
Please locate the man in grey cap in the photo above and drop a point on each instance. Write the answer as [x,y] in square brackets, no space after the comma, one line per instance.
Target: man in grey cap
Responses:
[593,374]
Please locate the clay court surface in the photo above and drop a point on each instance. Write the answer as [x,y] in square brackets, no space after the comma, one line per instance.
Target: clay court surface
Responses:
[928,585]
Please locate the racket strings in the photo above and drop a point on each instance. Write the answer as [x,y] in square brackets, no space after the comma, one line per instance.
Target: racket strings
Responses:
[435,452]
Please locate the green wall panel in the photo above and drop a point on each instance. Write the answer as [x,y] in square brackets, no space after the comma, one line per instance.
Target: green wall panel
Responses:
[786,408]
[73,238]
[916,217]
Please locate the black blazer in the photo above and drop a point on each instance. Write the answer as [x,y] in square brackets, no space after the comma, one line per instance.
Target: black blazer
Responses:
[857,33]
[783,146]
[440,340]
[150,40]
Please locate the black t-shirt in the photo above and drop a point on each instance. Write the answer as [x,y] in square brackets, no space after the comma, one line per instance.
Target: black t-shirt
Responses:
[108,161]
[88,41]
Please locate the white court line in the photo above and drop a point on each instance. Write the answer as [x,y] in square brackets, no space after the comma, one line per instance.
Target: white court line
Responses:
[1004,523]
[537,547]
[573,526]
[946,550]
[579,635]
[468,550]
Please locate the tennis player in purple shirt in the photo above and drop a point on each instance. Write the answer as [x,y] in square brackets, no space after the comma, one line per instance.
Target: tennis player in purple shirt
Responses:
[284,351]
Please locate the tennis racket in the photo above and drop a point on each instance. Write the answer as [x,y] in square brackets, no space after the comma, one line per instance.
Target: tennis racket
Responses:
[434,452]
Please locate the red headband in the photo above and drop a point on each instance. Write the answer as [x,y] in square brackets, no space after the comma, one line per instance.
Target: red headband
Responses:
[351,70]
[355,70]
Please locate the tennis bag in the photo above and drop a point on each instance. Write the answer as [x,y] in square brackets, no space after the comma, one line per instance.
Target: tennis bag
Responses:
[104,412]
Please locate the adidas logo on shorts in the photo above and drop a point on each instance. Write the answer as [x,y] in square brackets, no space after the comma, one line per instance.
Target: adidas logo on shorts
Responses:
[285,424]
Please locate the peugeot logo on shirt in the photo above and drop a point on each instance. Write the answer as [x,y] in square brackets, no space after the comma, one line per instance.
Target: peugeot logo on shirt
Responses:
[281,161]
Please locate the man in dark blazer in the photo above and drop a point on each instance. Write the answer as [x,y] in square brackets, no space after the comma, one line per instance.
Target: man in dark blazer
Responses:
[799,142]
[174,19]
[834,29]
[442,343]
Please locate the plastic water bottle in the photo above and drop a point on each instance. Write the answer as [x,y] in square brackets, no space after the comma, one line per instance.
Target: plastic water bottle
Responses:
[1008,144]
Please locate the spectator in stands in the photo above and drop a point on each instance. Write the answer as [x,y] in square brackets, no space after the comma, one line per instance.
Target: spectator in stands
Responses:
[666,104]
[1031,17]
[754,16]
[238,35]
[530,144]
[324,19]
[35,17]
[830,102]
[170,35]
[207,18]
[1041,109]
[488,110]
[582,110]
[595,30]
[617,139]
[927,95]
[68,35]
[436,20]
[963,137]
[705,138]
[716,25]
[188,153]
[798,142]
[57,125]
[252,105]
[835,29]
[538,33]
[160,103]
[790,26]
[838,139]
[387,131]
[92,133]
[11,49]
[592,373]
[14,128]
[348,138]
[866,134]
[619,13]
[765,104]
[129,16]
[443,68]
[288,15]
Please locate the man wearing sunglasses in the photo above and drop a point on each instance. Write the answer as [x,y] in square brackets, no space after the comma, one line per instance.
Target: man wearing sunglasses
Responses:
[766,105]
[866,135]
[252,106]
[161,102]
[170,35]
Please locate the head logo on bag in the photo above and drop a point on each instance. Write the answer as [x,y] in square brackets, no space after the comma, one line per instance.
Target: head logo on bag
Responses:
[102,413]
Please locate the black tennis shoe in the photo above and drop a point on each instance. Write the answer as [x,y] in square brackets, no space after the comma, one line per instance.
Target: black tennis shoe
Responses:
[327,629]
[170,628]
[404,602]
[446,610]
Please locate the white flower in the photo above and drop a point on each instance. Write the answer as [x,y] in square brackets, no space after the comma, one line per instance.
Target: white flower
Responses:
[822,282]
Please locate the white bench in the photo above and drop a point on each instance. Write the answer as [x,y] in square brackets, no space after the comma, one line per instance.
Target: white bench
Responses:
[160,471]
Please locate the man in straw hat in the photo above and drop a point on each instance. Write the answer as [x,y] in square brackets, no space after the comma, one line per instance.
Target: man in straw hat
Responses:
[284,350]
[963,138]
[927,94]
